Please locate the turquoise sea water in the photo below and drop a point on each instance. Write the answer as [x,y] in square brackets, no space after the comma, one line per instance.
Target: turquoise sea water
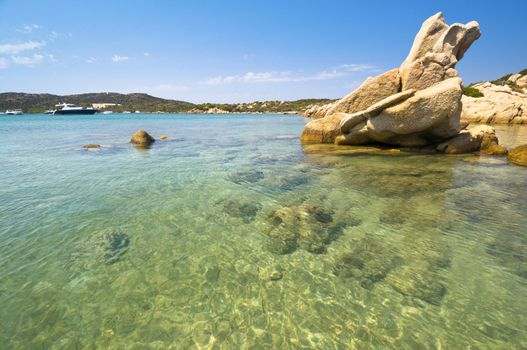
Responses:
[231,235]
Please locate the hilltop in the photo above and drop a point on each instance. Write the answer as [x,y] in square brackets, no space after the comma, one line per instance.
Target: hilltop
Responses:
[38,103]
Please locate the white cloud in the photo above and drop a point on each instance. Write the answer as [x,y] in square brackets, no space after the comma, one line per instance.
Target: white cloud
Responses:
[285,76]
[56,35]
[146,54]
[13,49]
[28,28]
[4,63]
[28,60]
[91,60]
[117,58]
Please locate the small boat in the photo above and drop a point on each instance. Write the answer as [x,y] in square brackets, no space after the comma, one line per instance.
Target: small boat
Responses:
[107,112]
[69,108]
[49,111]
[14,112]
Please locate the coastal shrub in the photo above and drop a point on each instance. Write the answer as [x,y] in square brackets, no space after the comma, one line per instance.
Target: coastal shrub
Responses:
[514,86]
[523,72]
[472,92]
[501,81]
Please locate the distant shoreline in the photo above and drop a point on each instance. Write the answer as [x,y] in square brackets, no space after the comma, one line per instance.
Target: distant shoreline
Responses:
[116,102]
[181,113]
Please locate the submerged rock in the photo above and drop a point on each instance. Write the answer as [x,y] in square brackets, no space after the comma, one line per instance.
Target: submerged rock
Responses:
[91,146]
[518,155]
[142,139]
[281,245]
[107,246]
[272,272]
[414,271]
[511,251]
[114,243]
[418,281]
[275,275]
[368,262]
[240,208]
[287,183]
[246,177]
[304,226]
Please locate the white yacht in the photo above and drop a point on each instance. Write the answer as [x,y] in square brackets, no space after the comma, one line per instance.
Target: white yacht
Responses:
[14,112]
[69,108]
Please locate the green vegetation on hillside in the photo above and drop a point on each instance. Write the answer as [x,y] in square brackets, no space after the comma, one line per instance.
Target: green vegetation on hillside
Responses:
[472,92]
[265,106]
[504,80]
[39,103]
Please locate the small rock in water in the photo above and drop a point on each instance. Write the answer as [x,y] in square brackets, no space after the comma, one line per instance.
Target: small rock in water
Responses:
[163,137]
[212,274]
[271,272]
[275,275]
[91,146]
[142,139]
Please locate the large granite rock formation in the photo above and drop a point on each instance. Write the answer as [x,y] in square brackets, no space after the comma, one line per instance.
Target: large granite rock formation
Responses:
[417,104]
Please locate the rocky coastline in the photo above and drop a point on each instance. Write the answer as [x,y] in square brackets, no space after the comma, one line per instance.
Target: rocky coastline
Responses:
[421,104]
[503,101]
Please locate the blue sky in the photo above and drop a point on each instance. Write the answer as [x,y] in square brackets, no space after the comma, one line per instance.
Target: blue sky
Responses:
[236,51]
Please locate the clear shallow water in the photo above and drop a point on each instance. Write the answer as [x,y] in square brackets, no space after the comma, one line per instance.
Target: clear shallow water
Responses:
[232,235]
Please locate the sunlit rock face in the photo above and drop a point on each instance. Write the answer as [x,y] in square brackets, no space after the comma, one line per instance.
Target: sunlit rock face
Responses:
[500,104]
[415,105]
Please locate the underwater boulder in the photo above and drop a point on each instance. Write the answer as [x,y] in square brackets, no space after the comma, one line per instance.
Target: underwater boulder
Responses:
[418,281]
[510,251]
[110,245]
[288,183]
[368,262]
[246,177]
[304,226]
[240,208]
